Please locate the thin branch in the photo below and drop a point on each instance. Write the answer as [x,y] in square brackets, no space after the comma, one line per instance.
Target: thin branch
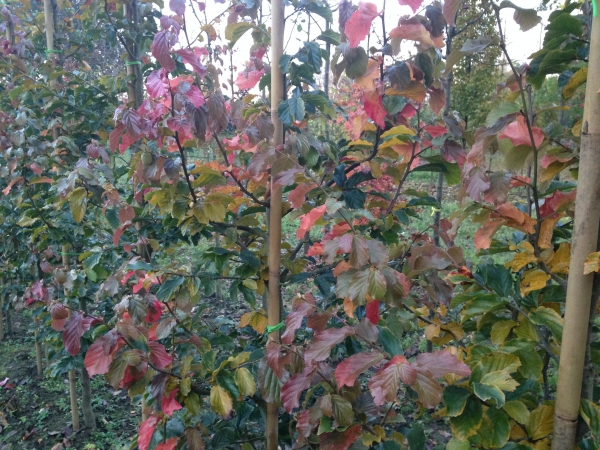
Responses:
[184,165]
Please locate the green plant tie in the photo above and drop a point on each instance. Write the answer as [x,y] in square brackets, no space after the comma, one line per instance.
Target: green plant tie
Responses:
[51,50]
[133,63]
[595,7]
[279,326]
[69,254]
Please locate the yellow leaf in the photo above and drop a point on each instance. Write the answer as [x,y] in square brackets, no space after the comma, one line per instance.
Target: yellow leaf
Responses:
[368,438]
[517,433]
[78,203]
[592,263]
[257,320]
[541,422]
[526,330]
[546,230]
[399,130]
[533,280]
[574,82]
[576,130]
[500,331]
[220,401]
[250,284]
[500,379]
[432,331]
[245,382]
[560,261]
[360,142]
[520,260]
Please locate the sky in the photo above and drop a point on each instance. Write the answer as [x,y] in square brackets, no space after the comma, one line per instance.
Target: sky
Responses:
[520,45]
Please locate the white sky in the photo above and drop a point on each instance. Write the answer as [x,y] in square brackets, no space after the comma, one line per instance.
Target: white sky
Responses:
[520,44]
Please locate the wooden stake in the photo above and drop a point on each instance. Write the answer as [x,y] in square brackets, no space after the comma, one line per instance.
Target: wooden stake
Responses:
[585,240]
[72,378]
[2,310]
[274,306]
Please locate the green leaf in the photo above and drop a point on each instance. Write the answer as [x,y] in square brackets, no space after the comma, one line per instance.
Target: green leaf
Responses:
[590,413]
[320,101]
[455,399]
[455,444]
[549,318]
[330,37]
[356,60]
[467,424]
[495,428]
[321,10]
[561,27]
[167,288]
[517,410]
[437,163]
[78,203]
[291,109]
[486,392]
[342,410]
[500,111]
[416,437]
[14,93]
[476,45]
[525,18]
[245,382]
[234,31]
[284,63]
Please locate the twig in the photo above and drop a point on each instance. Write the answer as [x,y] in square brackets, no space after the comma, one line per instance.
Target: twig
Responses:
[184,165]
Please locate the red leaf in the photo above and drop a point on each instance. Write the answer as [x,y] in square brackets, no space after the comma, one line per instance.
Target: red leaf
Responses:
[340,440]
[169,404]
[146,431]
[115,136]
[159,356]
[298,194]
[435,130]
[373,104]
[293,388]
[301,307]
[477,183]
[59,316]
[177,6]
[384,384]
[324,341]
[442,362]
[349,369]
[308,220]
[373,311]
[359,23]
[556,201]
[483,236]
[100,354]
[169,445]
[414,4]
[76,327]
[161,50]
[518,133]
[450,10]
[247,80]
[154,311]
[193,60]
[413,32]
[428,389]
[155,84]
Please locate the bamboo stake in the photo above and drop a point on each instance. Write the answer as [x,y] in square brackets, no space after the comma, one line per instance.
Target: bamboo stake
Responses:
[36,333]
[72,379]
[2,309]
[274,306]
[585,240]
[86,389]
[52,52]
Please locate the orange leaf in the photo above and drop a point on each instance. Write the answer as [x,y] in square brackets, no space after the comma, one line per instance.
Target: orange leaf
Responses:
[308,220]
[518,133]
[414,32]
[297,196]
[546,230]
[483,236]
[373,103]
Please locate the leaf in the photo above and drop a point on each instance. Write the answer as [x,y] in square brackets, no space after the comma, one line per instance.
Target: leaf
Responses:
[301,308]
[146,431]
[414,4]
[337,440]
[169,403]
[158,355]
[168,287]
[441,362]
[356,62]
[384,384]
[416,437]
[592,263]
[467,424]
[245,382]
[177,6]
[188,56]
[75,328]
[256,320]
[234,31]
[575,81]
[483,236]
[78,203]
[359,24]
[308,220]
[501,330]
[500,111]
[100,354]
[324,341]
[372,311]
[450,10]
[293,388]
[517,410]
[476,45]
[518,133]
[549,318]
[590,413]
[169,444]
[59,316]
[247,80]
[414,32]
[533,280]
[330,36]
[291,110]
[350,368]
[541,422]
[373,104]
[525,18]
[220,401]
[342,410]
[161,50]
[455,399]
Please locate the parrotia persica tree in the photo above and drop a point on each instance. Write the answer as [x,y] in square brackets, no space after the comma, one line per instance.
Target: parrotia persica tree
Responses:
[86,164]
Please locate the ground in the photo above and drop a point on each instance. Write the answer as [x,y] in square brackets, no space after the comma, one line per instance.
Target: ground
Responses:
[35,411]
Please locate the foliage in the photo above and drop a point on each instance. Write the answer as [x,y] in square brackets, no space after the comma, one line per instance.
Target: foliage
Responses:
[84,165]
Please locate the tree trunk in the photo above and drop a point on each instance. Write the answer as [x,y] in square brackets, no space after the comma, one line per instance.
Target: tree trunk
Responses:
[72,378]
[274,306]
[585,240]
[86,390]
